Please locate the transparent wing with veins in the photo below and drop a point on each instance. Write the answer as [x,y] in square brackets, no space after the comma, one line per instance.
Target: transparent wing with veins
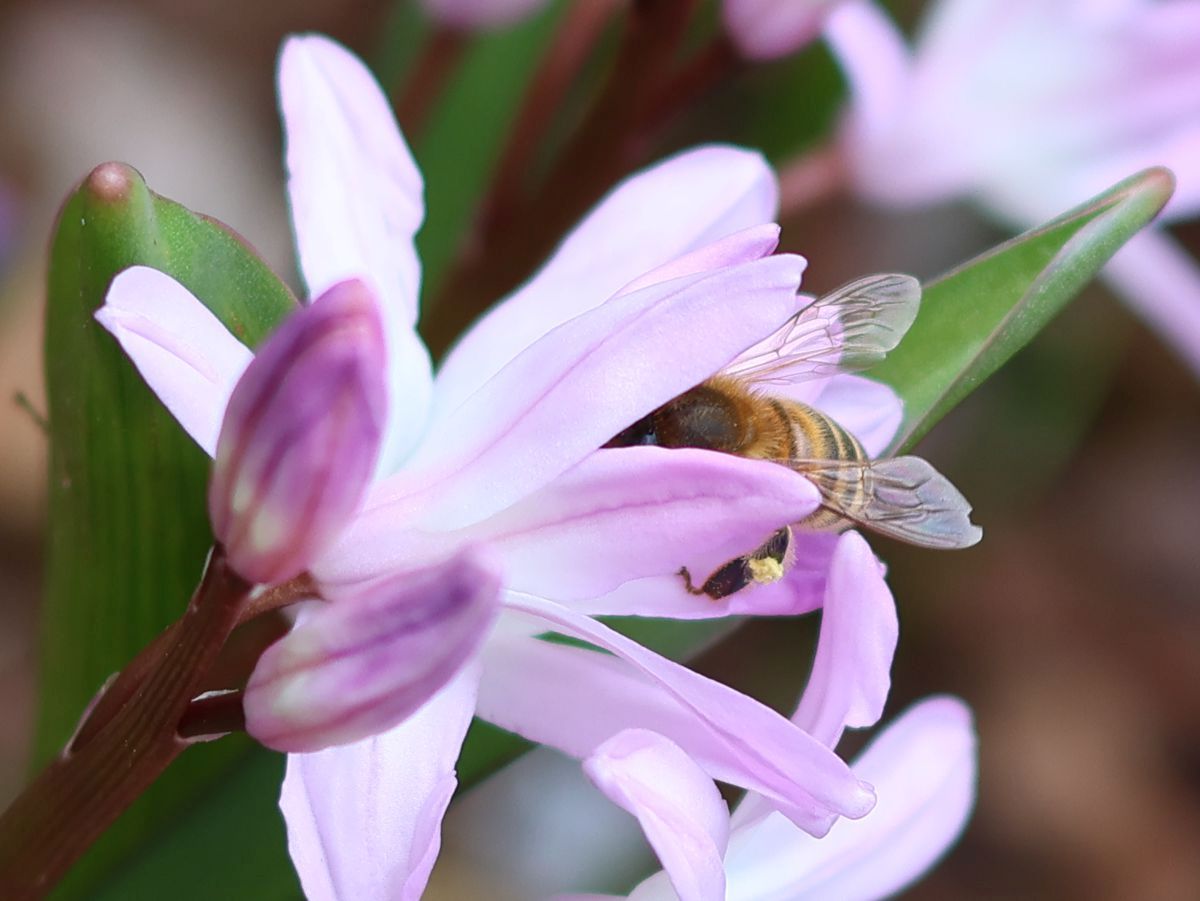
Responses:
[902,497]
[846,330]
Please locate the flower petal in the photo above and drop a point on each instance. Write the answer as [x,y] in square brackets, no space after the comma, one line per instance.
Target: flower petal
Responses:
[580,385]
[362,663]
[364,820]
[187,357]
[923,767]
[1161,281]
[654,216]
[801,590]
[677,804]
[621,514]
[480,13]
[300,437]
[574,699]
[356,197]
[851,672]
[770,29]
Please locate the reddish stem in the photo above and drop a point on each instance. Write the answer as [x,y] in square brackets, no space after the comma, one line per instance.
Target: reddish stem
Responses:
[82,792]
[439,59]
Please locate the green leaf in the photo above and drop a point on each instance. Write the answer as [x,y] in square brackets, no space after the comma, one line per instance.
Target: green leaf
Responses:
[977,316]
[128,532]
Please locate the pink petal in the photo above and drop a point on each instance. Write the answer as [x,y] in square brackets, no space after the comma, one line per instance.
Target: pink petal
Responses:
[620,514]
[769,29]
[746,246]
[675,802]
[480,13]
[851,672]
[356,197]
[923,767]
[670,209]
[364,820]
[1161,282]
[574,699]
[187,357]
[801,590]
[300,437]
[363,663]
[577,387]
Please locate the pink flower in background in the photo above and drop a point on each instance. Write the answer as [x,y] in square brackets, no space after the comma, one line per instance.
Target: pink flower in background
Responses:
[492,484]
[468,14]
[763,30]
[1030,108]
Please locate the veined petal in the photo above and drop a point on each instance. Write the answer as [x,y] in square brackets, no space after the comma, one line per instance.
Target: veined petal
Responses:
[1161,281]
[361,664]
[923,767]
[356,198]
[300,437]
[620,514]
[677,804]
[577,387]
[187,357]
[574,699]
[681,204]
[801,590]
[364,820]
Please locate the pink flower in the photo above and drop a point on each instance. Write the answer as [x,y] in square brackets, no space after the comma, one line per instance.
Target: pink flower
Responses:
[471,14]
[922,768]
[492,484]
[1029,108]
[769,29]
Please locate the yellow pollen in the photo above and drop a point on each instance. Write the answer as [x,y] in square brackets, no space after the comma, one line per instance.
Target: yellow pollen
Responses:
[765,571]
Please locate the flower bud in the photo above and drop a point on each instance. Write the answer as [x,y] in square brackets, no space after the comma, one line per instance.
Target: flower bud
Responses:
[763,30]
[300,436]
[362,663]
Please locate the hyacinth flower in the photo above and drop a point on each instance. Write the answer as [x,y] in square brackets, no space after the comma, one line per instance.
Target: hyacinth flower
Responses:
[922,768]
[763,30]
[1029,108]
[491,481]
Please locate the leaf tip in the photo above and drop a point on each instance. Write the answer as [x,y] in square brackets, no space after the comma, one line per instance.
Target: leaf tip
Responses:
[111,183]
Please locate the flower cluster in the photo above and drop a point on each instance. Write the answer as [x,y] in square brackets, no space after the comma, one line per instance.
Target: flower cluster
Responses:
[493,515]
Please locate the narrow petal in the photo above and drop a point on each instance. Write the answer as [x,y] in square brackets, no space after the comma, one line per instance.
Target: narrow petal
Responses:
[621,514]
[364,820]
[363,663]
[746,246]
[187,357]
[677,804]
[1161,281]
[876,61]
[580,385]
[654,216]
[357,202]
[923,767]
[851,672]
[769,29]
[300,437]
[574,699]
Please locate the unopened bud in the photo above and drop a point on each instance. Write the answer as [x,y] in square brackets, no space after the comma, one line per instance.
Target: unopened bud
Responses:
[770,29]
[300,436]
[360,664]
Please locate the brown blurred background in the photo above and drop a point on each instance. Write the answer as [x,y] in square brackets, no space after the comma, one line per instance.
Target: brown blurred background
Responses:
[1073,630]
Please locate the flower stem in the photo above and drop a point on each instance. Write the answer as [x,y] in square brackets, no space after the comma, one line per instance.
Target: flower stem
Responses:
[599,153]
[439,59]
[83,791]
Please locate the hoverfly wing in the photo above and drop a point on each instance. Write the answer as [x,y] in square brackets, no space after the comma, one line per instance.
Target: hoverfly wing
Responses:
[846,330]
[902,497]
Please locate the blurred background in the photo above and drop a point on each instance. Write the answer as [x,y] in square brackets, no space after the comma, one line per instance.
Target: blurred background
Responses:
[1073,630]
